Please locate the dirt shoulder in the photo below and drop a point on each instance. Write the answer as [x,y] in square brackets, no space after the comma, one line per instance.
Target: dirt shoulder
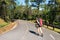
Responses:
[7,28]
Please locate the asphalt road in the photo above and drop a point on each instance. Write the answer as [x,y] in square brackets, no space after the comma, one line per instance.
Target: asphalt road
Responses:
[27,31]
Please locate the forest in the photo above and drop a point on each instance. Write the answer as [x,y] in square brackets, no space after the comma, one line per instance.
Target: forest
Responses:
[9,10]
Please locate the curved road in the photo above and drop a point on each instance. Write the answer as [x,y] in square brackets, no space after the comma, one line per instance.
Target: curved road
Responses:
[27,31]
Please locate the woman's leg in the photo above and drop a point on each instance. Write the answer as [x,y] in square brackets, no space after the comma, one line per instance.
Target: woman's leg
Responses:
[40,30]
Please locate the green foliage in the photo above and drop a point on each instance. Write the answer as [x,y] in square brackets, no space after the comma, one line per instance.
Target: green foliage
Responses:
[2,25]
[54,9]
[11,11]
[7,8]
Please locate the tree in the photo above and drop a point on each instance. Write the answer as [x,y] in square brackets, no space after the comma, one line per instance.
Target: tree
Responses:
[27,9]
[6,6]
[54,9]
[2,10]
[36,3]
[53,6]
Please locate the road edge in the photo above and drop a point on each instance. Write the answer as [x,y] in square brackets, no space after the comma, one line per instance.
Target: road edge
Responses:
[13,27]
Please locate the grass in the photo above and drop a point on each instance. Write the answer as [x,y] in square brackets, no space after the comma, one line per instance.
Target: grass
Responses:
[2,23]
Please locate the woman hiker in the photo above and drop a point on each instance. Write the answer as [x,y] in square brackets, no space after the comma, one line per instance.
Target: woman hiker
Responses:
[40,24]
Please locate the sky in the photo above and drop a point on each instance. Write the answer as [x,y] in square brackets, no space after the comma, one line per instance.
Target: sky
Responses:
[23,2]
[20,2]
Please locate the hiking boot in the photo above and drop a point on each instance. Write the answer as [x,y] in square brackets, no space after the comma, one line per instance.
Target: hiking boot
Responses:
[41,34]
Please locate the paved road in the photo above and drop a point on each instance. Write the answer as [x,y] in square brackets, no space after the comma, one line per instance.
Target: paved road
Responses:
[23,32]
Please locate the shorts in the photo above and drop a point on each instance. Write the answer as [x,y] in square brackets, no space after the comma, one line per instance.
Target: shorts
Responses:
[38,25]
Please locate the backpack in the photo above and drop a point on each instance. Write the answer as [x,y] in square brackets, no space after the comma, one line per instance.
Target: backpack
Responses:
[40,22]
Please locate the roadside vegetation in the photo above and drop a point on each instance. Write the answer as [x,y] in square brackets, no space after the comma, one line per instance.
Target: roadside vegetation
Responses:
[51,28]
[3,23]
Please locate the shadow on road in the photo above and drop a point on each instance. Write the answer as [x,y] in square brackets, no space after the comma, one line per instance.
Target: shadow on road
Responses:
[33,32]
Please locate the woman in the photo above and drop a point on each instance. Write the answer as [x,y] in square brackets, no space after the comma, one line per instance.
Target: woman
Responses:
[40,23]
